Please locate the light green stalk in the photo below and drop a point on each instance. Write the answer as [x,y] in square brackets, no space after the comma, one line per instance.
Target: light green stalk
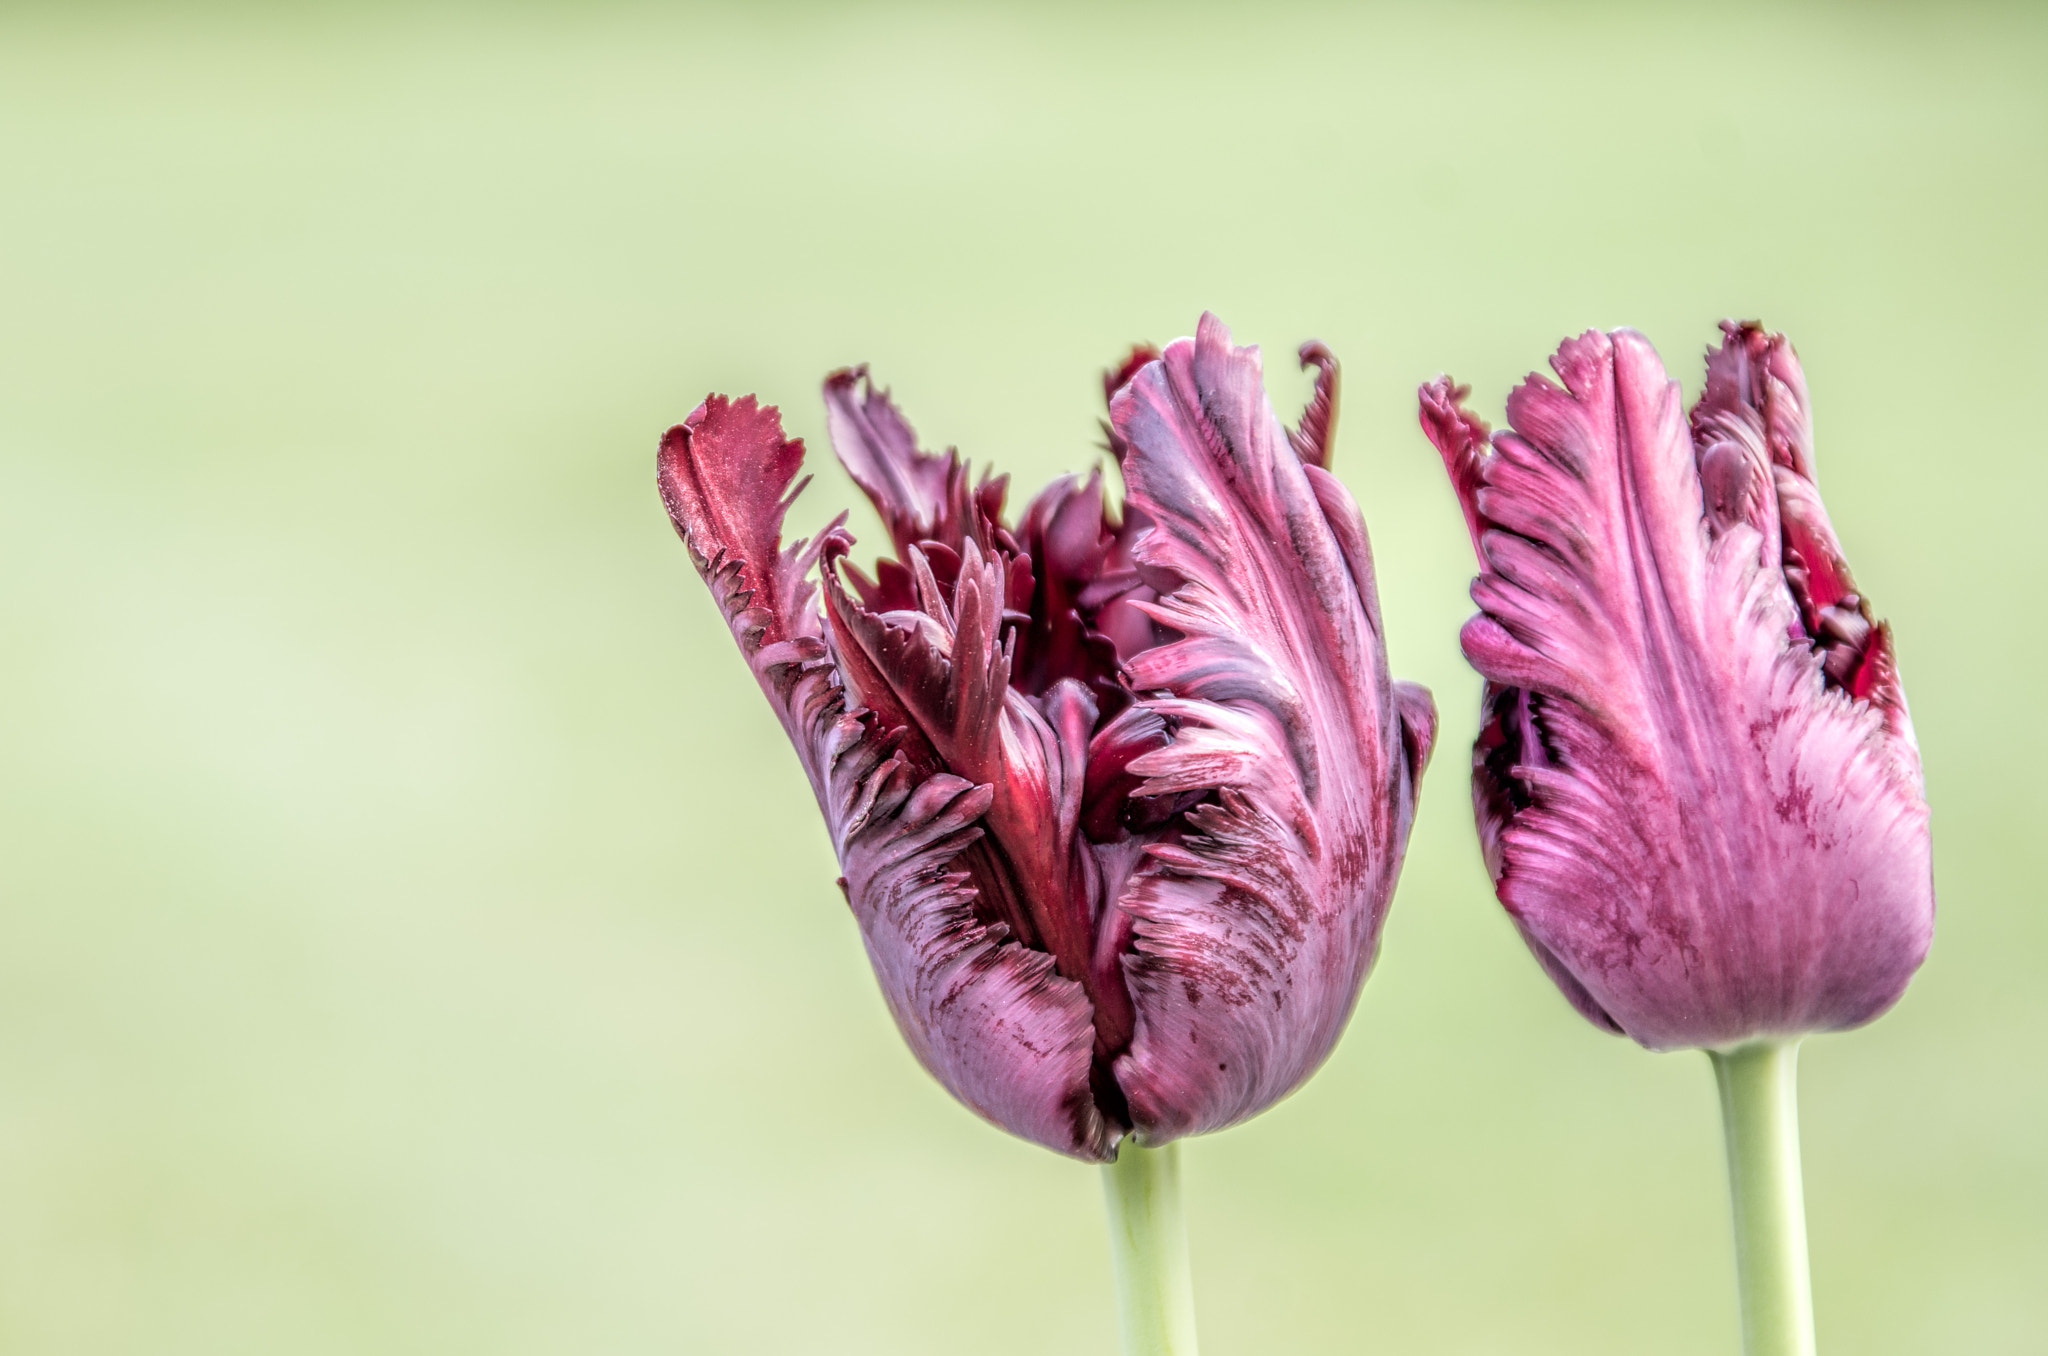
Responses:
[1148,1247]
[1760,1112]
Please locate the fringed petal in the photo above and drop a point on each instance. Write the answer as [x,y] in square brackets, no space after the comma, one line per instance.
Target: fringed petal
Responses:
[1254,927]
[922,496]
[985,1015]
[1755,438]
[1462,437]
[725,475]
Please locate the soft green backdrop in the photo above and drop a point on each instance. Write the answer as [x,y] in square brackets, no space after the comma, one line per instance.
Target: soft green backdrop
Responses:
[414,936]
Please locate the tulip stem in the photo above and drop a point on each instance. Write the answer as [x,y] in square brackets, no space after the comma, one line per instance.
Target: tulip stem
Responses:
[1148,1248]
[1760,1113]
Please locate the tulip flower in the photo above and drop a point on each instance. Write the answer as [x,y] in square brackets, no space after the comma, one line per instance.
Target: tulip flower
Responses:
[1119,798]
[1696,782]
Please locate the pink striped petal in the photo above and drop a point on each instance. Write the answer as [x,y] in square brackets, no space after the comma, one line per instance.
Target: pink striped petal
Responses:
[1253,927]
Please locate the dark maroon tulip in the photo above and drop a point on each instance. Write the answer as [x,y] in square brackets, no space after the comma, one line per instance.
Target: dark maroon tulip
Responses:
[1119,800]
[1696,782]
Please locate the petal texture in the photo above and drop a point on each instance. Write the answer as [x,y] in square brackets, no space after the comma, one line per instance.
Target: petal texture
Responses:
[922,496]
[1695,781]
[1254,924]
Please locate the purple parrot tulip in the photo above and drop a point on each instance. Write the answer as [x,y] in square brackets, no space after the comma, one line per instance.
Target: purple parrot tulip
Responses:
[1696,782]
[1119,798]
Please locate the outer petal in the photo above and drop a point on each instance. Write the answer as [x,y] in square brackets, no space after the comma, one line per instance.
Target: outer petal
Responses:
[1700,839]
[1255,929]
[725,474]
[985,1016]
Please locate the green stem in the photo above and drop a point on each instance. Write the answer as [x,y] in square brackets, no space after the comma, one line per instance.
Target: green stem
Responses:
[1148,1247]
[1760,1113]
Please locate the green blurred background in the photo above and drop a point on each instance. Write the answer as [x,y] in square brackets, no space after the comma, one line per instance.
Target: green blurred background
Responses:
[414,935]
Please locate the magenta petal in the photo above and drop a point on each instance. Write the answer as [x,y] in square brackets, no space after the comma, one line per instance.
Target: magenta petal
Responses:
[725,476]
[1704,832]
[1253,931]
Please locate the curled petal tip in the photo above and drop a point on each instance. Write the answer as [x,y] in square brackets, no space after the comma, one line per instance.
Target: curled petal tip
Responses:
[724,475]
[1315,435]
[1460,437]
[1114,379]
[1418,727]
